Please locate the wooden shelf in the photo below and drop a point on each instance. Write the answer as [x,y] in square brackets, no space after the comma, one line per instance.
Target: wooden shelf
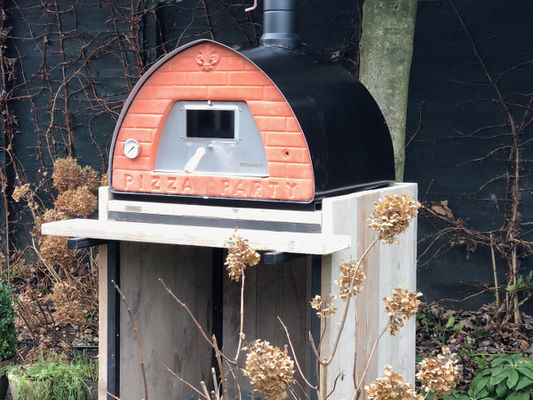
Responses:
[290,242]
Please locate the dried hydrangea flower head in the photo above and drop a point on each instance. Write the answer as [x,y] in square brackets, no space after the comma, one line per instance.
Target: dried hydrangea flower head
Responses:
[351,278]
[54,251]
[67,174]
[392,216]
[79,201]
[240,255]
[400,306]
[20,192]
[438,375]
[270,370]
[391,387]
[324,307]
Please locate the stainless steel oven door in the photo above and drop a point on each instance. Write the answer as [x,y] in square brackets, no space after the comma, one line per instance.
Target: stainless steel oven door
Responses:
[211,138]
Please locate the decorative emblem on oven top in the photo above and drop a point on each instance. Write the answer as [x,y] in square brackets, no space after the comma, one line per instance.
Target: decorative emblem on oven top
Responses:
[207,59]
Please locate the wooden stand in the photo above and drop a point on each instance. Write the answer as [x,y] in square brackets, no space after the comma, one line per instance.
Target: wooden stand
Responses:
[190,261]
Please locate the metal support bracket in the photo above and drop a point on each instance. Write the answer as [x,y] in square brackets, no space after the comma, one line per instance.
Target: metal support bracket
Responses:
[82,243]
[277,257]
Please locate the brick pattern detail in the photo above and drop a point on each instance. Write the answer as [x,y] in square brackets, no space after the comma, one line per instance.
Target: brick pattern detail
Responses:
[209,71]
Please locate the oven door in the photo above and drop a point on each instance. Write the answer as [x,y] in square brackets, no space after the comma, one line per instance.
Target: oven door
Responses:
[211,138]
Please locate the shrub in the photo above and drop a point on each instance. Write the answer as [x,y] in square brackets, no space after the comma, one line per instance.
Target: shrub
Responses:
[7,324]
[54,379]
[509,377]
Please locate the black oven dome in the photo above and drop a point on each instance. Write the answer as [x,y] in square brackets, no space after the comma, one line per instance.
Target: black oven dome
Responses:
[316,130]
[348,138]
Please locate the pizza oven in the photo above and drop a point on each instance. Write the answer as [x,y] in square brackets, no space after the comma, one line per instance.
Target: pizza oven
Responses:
[271,141]
[269,123]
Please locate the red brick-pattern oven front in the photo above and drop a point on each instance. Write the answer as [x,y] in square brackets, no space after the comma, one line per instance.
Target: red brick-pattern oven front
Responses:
[209,71]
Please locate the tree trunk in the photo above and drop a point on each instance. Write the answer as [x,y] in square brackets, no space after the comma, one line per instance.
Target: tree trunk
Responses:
[386,52]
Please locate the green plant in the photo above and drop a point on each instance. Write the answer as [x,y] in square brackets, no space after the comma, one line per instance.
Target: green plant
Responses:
[433,323]
[509,377]
[55,379]
[467,353]
[524,283]
[7,324]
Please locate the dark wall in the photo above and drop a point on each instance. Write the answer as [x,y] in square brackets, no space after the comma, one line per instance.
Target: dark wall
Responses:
[458,131]
[468,57]
[69,65]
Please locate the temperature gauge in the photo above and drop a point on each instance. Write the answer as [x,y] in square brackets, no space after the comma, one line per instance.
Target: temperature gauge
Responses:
[132,148]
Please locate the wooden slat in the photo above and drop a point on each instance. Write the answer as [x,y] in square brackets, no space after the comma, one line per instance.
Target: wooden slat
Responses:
[253,214]
[291,242]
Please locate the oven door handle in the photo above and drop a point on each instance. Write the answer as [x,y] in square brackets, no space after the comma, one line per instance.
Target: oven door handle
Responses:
[193,162]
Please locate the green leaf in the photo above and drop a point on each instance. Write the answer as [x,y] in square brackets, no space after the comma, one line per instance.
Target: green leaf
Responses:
[458,327]
[495,380]
[501,389]
[479,382]
[501,359]
[518,396]
[524,382]
[512,378]
[524,370]
[450,322]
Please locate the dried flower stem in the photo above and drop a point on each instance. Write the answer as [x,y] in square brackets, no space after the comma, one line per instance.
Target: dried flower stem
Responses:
[234,374]
[294,356]
[241,325]
[195,321]
[334,386]
[204,389]
[185,382]
[325,363]
[367,365]
[220,368]
[493,257]
[137,337]
[356,339]
[216,387]
[21,315]
[109,394]
[53,273]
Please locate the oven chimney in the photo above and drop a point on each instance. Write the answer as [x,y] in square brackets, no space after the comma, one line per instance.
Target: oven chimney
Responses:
[280,24]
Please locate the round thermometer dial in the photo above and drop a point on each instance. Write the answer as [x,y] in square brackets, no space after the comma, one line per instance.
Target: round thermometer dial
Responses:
[132,148]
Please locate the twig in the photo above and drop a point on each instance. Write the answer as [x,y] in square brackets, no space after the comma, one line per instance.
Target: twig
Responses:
[204,389]
[109,394]
[370,357]
[191,315]
[241,324]
[195,321]
[334,386]
[137,337]
[346,308]
[294,356]
[216,386]
[185,382]
[221,369]
[496,293]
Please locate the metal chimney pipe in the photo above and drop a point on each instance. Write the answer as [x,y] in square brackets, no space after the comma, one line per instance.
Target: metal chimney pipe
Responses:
[280,24]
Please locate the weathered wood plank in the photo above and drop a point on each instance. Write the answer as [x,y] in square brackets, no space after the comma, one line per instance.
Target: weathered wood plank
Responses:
[168,335]
[102,322]
[291,242]
[386,267]
[271,291]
